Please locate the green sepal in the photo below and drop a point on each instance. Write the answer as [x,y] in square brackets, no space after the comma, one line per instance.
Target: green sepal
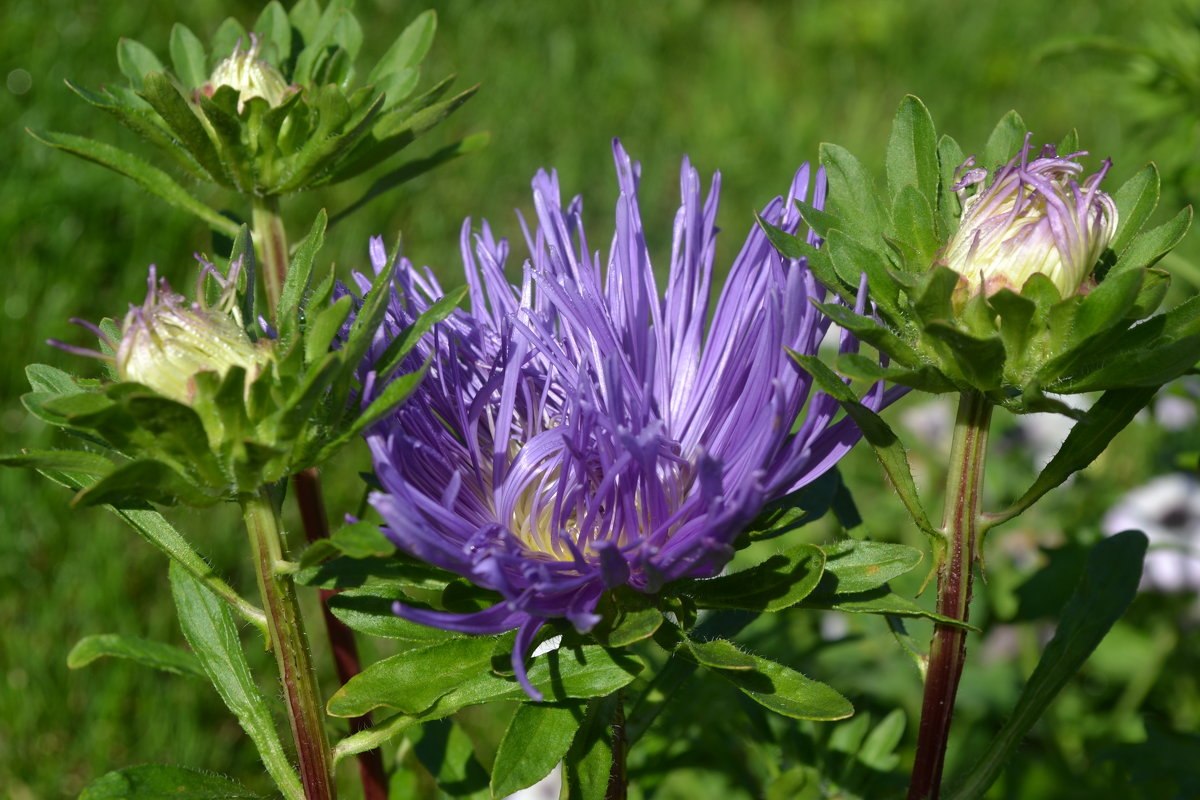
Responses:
[950,158]
[188,56]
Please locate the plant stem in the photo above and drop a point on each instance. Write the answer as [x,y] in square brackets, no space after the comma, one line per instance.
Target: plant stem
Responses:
[288,640]
[948,651]
[341,639]
[271,238]
[618,779]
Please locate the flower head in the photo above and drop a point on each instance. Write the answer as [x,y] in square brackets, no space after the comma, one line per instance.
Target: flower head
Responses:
[581,431]
[166,341]
[250,75]
[1034,217]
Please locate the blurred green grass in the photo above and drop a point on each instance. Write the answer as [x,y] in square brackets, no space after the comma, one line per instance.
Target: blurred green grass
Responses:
[747,88]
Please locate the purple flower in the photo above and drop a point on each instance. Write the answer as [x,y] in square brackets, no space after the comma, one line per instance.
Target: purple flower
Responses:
[581,431]
[1034,217]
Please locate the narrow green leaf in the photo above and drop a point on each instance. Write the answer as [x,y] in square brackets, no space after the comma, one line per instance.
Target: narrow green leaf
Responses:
[406,172]
[275,30]
[887,446]
[305,16]
[155,782]
[136,60]
[148,177]
[878,750]
[188,57]
[398,86]
[145,479]
[950,158]
[325,327]
[1108,585]
[880,602]
[913,224]
[1005,141]
[853,566]
[777,583]
[912,151]
[292,308]
[80,461]
[1148,247]
[851,258]
[209,629]
[588,762]
[147,652]
[409,48]
[373,737]
[1136,200]
[229,33]
[536,739]
[787,692]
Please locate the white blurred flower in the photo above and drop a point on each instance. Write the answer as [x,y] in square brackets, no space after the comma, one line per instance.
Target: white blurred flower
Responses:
[1167,509]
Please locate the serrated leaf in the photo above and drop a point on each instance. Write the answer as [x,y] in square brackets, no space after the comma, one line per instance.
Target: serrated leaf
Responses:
[145,175]
[1136,200]
[1108,585]
[158,655]
[135,60]
[777,583]
[209,629]
[155,782]
[912,151]
[1005,141]
[188,56]
[537,738]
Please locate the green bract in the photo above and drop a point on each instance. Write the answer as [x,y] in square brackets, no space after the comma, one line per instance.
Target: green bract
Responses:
[1017,343]
[272,111]
[219,432]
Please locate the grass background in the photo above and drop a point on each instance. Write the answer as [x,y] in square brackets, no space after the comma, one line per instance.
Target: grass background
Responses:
[748,88]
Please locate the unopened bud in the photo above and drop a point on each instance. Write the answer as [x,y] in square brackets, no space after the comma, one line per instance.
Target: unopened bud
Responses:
[250,75]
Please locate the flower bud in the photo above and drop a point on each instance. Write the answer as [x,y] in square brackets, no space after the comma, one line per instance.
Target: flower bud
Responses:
[250,75]
[1033,218]
[166,341]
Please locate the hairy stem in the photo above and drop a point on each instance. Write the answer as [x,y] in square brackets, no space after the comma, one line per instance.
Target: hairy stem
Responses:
[341,639]
[949,648]
[288,640]
[618,779]
[271,238]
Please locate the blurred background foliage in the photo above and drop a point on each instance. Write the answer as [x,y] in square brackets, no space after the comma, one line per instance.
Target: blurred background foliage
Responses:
[747,88]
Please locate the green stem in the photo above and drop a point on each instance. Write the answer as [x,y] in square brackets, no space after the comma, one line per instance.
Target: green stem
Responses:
[958,551]
[288,640]
[618,779]
[271,238]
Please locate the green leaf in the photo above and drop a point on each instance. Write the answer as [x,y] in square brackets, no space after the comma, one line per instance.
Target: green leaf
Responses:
[275,29]
[148,177]
[136,60]
[145,479]
[79,461]
[209,629]
[296,282]
[154,782]
[880,602]
[853,566]
[1136,200]
[1108,585]
[1088,438]
[536,739]
[950,158]
[161,93]
[851,258]
[44,378]
[981,359]
[588,762]
[1148,247]
[887,446]
[229,33]
[409,48]
[398,86]
[626,617]
[913,223]
[853,193]
[369,611]
[785,691]
[777,583]
[325,327]
[797,509]
[1005,141]
[720,654]
[147,652]
[435,681]
[406,172]
[188,57]
[357,540]
[912,151]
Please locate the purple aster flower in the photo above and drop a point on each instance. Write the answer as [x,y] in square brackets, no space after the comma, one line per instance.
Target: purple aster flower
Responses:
[1034,217]
[581,431]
